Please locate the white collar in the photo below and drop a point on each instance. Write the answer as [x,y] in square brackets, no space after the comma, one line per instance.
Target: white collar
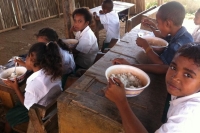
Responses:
[176,100]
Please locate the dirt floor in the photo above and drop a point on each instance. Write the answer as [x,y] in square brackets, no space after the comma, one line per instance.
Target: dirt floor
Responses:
[18,41]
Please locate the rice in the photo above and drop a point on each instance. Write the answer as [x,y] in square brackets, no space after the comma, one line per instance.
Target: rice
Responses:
[128,79]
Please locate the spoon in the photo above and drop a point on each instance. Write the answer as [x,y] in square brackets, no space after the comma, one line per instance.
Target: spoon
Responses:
[13,74]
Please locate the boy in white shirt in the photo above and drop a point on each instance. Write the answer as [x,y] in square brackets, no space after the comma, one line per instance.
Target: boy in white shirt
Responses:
[196,32]
[110,21]
[183,83]
[87,48]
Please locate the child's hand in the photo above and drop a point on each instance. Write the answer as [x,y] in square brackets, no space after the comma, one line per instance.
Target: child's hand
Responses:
[72,29]
[20,62]
[120,61]
[142,43]
[115,91]
[11,84]
[101,12]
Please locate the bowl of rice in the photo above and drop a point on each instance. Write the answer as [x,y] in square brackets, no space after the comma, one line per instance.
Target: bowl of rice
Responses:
[8,74]
[157,44]
[134,79]
[71,43]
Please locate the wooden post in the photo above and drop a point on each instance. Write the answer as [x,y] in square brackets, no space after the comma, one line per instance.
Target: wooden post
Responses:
[18,14]
[58,7]
[160,2]
[68,8]
[140,6]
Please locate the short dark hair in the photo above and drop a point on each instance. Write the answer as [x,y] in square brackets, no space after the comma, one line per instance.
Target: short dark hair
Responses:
[85,12]
[49,33]
[173,11]
[191,51]
[108,4]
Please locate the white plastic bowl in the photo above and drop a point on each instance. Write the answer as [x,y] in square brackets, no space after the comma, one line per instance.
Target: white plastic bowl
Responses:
[141,75]
[5,74]
[71,43]
[158,44]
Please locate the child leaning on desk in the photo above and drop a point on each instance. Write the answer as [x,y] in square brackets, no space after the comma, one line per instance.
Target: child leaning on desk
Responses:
[183,83]
[196,32]
[110,21]
[169,19]
[42,86]
[87,48]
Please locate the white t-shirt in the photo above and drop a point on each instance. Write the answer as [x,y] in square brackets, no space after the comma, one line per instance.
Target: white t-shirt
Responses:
[183,115]
[41,89]
[111,24]
[87,46]
[67,61]
[196,34]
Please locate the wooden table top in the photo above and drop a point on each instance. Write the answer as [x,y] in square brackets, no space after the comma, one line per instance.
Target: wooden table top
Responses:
[148,106]
[118,7]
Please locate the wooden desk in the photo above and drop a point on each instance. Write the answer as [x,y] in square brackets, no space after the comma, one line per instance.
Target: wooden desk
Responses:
[83,107]
[119,7]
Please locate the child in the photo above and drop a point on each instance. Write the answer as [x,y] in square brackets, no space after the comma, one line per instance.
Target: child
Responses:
[46,35]
[169,21]
[87,48]
[196,33]
[110,21]
[183,83]
[43,86]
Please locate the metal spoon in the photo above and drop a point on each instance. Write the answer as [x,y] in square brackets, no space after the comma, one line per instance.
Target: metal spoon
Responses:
[13,74]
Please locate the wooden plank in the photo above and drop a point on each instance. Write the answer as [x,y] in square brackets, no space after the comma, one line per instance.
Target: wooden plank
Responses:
[6,99]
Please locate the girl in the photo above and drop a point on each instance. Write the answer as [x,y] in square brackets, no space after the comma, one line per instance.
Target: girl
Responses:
[196,32]
[87,48]
[46,35]
[45,62]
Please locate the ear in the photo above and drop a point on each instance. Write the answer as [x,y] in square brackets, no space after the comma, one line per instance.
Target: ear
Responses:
[168,23]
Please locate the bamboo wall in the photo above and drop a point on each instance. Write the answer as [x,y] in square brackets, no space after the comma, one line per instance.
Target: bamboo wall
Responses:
[17,13]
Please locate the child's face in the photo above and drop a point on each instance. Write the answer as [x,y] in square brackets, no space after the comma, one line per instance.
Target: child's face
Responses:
[197,18]
[42,39]
[79,22]
[183,77]
[162,26]
[29,62]
[105,9]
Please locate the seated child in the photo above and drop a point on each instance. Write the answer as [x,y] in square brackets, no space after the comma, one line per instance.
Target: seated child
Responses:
[183,83]
[196,32]
[169,21]
[87,48]
[110,21]
[46,35]
[43,86]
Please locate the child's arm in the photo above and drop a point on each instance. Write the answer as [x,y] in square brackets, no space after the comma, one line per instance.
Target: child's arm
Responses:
[15,87]
[116,93]
[154,57]
[72,30]
[151,68]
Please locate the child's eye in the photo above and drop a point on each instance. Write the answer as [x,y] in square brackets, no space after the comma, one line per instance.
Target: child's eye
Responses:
[187,75]
[172,68]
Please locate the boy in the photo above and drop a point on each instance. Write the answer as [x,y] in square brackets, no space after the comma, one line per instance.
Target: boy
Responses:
[183,83]
[87,48]
[196,33]
[169,21]
[110,21]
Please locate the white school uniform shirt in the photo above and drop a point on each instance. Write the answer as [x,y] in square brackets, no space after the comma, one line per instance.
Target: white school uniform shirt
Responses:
[41,89]
[183,115]
[87,46]
[196,34]
[111,24]
[68,64]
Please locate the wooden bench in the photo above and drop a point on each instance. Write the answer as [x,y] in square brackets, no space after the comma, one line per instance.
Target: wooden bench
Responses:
[135,20]
[41,119]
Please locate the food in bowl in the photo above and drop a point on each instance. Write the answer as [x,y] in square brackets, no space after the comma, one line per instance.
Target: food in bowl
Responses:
[8,74]
[128,79]
[142,77]
[158,44]
[71,43]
